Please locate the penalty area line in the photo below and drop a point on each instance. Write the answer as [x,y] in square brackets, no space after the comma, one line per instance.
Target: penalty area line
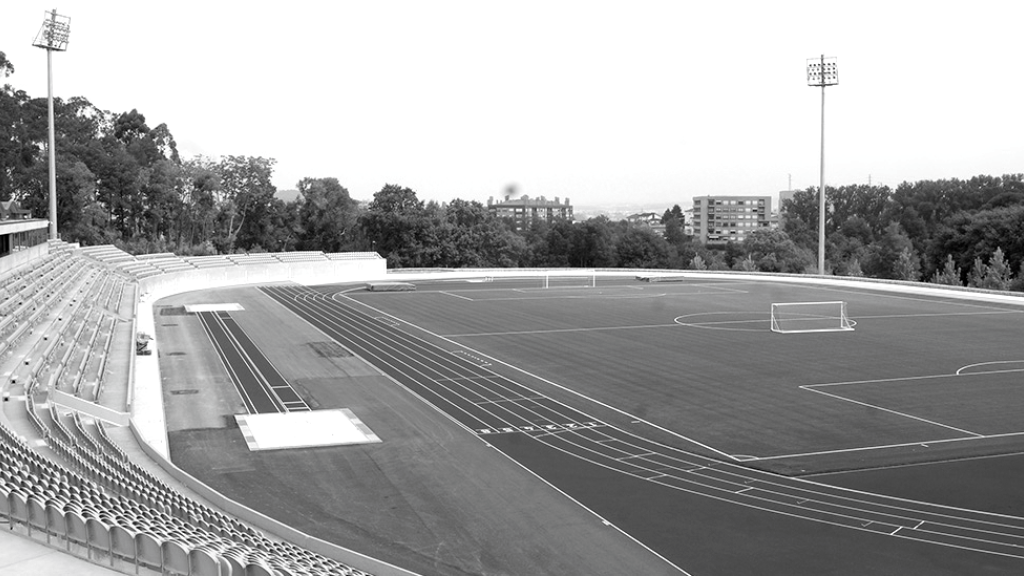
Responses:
[901,445]
[897,413]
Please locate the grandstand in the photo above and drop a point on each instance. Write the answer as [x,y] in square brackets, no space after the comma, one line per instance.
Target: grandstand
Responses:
[67,322]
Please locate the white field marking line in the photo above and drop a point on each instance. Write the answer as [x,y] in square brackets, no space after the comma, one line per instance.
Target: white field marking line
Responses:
[902,445]
[896,412]
[718,322]
[415,347]
[928,463]
[574,297]
[551,331]
[287,385]
[455,296]
[302,303]
[933,300]
[596,515]
[479,402]
[709,491]
[939,314]
[305,302]
[251,364]
[657,295]
[242,392]
[729,471]
[545,417]
[329,320]
[663,291]
[250,367]
[622,458]
[878,381]
[569,390]
[927,377]
[466,378]
[962,368]
[893,515]
[419,351]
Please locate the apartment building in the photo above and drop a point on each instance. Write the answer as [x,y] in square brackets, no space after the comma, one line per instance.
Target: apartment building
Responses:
[721,219]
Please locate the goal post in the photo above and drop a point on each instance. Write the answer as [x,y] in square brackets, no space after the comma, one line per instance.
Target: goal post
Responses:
[804,317]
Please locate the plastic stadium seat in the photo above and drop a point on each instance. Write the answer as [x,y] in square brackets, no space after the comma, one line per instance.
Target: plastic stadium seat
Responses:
[175,557]
[236,560]
[122,544]
[18,508]
[99,536]
[5,503]
[37,515]
[204,562]
[257,567]
[76,529]
[149,552]
[227,569]
[55,522]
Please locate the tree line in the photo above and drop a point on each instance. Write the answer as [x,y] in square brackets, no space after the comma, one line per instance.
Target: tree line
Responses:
[962,232]
[123,182]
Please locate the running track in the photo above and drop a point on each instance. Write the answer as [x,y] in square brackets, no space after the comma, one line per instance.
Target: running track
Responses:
[260,385]
[495,407]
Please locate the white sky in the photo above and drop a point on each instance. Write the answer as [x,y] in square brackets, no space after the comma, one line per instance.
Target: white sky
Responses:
[638,102]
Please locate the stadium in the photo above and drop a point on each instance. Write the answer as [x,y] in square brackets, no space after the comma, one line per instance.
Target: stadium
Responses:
[312,413]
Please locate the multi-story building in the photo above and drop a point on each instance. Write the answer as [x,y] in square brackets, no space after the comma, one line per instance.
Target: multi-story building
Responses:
[524,210]
[721,219]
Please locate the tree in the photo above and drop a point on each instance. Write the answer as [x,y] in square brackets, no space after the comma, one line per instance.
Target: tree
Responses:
[396,223]
[200,189]
[326,215]
[247,192]
[641,248]
[6,68]
[951,275]
[995,275]
[864,202]
[593,244]
[883,254]
[674,213]
[976,278]
[773,251]
[800,217]
[907,265]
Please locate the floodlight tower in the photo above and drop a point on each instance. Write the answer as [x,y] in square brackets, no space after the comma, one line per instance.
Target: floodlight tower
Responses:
[822,72]
[53,35]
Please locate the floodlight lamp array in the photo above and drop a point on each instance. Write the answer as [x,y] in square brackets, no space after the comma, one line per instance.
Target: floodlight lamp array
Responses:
[822,72]
[54,33]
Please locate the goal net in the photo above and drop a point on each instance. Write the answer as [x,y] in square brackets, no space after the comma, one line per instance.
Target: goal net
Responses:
[802,317]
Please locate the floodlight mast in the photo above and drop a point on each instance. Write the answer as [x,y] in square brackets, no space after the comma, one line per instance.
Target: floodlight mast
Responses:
[53,35]
[822,72]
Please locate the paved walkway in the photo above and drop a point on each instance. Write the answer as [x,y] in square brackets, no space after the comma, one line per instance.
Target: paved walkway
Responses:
[22,556]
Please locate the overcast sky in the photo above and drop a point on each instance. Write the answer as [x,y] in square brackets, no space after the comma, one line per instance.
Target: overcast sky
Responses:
[639,102]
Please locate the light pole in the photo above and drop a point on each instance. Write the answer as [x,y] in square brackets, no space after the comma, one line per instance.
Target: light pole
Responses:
[822,72]
[53,35]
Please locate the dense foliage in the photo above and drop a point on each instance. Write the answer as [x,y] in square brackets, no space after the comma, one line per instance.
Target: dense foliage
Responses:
[960,232]
[121,181]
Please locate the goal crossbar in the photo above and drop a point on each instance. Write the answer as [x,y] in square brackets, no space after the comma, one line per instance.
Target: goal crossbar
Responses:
[806,317]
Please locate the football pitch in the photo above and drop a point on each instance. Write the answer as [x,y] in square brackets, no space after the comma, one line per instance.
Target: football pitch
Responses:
[697,361]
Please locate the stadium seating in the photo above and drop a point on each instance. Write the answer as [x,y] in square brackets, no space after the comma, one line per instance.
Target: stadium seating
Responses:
[72,484]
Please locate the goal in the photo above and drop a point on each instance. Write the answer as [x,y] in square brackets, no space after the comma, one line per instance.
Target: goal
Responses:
[803,317]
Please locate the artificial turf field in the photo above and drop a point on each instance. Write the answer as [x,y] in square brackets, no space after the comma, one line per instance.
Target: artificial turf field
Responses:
[694,366]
